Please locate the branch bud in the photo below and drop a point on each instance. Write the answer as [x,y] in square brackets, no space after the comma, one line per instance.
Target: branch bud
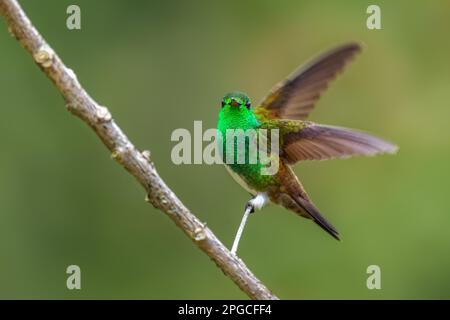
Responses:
[44,56]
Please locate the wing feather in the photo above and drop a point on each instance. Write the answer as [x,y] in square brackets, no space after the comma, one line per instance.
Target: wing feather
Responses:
[321,142]
[295,97]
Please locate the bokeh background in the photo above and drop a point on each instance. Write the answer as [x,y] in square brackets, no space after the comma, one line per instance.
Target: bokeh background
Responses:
[160,65]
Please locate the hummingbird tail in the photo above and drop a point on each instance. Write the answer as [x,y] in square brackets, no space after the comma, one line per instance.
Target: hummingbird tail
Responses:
[315,215]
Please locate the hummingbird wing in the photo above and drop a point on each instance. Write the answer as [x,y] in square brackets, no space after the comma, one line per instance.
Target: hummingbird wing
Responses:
[320,142]
[295,97]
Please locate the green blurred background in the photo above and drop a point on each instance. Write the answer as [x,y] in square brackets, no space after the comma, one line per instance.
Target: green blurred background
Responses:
[160,65]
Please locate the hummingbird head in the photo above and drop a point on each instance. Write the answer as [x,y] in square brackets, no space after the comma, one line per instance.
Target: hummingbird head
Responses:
[236,101]
[236,112]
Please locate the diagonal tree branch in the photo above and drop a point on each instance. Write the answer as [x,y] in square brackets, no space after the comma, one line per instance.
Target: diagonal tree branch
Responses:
[123,151]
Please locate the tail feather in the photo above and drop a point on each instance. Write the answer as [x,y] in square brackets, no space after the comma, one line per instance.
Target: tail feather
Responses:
[316,216]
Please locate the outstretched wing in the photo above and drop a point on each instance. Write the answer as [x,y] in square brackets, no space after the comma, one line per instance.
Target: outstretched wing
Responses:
[321,142]
[295,97]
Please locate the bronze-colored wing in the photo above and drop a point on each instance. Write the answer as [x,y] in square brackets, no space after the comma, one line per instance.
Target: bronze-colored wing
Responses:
[295,97]
[320,142]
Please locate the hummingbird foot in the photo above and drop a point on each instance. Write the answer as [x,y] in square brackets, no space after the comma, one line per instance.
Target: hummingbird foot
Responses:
[249,206]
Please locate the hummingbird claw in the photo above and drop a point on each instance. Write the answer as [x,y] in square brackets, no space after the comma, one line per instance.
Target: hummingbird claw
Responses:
[250,206]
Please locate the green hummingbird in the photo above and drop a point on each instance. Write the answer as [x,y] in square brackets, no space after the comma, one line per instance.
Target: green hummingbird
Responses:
[285,109]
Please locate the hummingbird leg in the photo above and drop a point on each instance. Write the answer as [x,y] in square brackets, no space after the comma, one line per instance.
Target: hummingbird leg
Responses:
[256,202]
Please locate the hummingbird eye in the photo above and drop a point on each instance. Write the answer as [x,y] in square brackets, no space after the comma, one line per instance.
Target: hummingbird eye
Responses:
[223,104]
[248,105]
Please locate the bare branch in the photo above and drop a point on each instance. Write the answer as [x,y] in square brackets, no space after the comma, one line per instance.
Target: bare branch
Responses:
[123,151]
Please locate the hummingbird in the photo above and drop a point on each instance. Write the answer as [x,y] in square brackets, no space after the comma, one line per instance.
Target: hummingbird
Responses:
[286,108]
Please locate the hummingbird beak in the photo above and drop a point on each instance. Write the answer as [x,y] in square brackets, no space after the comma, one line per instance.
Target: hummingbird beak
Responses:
[234,103]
